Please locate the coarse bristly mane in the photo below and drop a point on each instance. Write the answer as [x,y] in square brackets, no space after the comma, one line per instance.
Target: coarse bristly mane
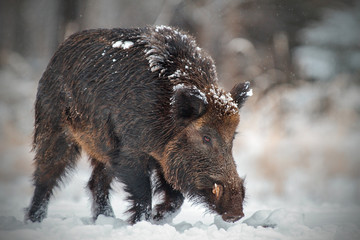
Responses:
[175,55]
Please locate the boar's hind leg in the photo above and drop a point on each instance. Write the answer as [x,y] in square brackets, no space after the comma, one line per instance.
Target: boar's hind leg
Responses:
[55,155]
[133,172]
[100,185]
[172,199]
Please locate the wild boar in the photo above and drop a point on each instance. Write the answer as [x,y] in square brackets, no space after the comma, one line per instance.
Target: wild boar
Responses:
[139,102]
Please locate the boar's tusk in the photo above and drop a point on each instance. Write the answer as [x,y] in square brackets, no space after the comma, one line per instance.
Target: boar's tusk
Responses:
[216,191]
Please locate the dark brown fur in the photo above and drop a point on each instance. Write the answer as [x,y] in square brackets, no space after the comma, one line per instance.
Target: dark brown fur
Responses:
[149,103]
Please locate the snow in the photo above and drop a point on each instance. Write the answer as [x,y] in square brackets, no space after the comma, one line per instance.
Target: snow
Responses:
[155,59]
[183,37]
[223,100]
[123,45]
[178,86]
[199,94]
[178,73]
[69,219]
[249,93]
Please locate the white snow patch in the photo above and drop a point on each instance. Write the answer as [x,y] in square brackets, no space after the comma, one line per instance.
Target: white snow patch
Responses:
[155,59]
[249,92]
[123,45]
[178,86]
[199,94]
[175,31]
[223,100]
[177,74]
[247,85]
[162,27]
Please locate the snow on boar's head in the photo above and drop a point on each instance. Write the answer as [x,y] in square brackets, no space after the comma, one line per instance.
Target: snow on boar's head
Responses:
[198,160]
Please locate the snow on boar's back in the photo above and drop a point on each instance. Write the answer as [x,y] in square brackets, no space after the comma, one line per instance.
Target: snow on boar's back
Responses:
[143,104]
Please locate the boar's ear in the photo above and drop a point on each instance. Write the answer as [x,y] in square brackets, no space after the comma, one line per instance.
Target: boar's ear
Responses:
[188,103]
[240,92]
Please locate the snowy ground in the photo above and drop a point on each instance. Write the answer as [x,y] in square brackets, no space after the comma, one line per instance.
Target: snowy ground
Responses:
[69,218]
[298,148]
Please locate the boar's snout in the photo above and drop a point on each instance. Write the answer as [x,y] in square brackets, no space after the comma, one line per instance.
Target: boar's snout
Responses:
[232,217]
[234,212]
[229,200]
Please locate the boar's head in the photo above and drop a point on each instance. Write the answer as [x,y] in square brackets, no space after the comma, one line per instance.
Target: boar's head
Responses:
[198,160]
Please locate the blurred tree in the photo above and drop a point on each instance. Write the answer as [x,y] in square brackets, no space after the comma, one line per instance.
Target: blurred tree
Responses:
[29,27]
[249,39]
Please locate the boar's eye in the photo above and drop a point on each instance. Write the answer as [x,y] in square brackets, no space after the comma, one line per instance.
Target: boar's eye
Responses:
[207,139]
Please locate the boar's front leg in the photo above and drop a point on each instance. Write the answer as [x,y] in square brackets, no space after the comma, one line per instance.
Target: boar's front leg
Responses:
[172,199]
[100,185]
[132,170]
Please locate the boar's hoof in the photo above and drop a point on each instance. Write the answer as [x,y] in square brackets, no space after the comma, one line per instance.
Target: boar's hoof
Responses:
[167,209]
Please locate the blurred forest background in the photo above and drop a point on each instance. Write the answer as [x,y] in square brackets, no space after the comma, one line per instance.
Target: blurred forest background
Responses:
[299,132]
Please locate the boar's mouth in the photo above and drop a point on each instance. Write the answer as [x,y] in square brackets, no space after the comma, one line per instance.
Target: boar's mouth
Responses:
[230,218]
[226,202]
